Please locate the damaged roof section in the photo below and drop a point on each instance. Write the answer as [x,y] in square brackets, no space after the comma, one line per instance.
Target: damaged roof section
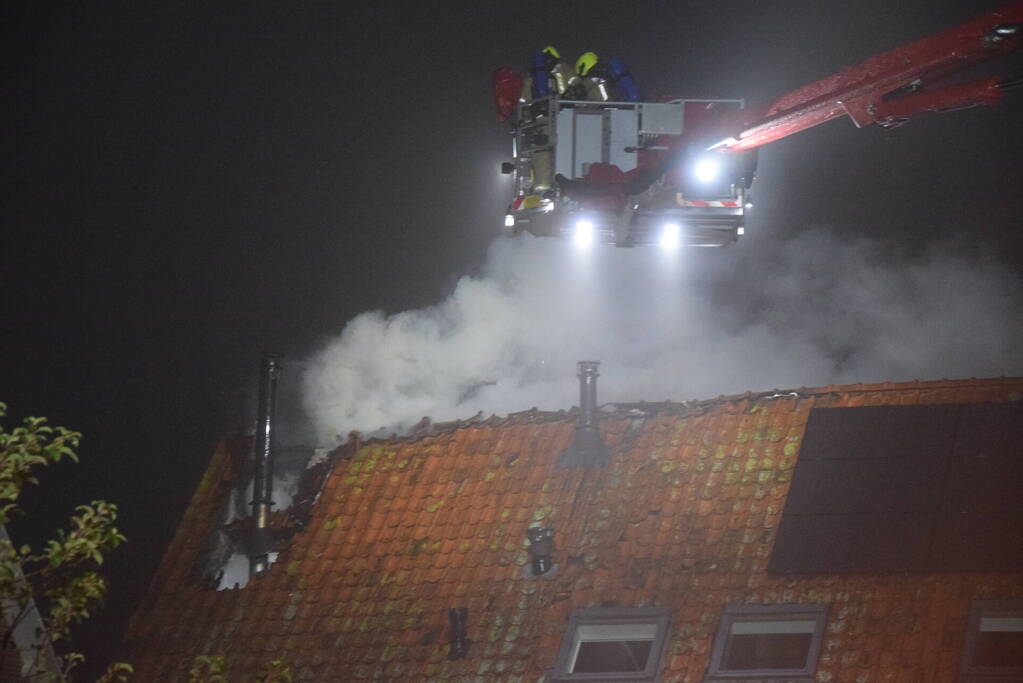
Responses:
[224,561]
[388,536]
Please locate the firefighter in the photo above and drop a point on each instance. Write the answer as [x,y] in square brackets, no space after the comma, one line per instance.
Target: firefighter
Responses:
[625,87]
[560,73]
[593,78]
[547,74]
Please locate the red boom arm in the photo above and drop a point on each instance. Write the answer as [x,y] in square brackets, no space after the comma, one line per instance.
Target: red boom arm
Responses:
[890,87]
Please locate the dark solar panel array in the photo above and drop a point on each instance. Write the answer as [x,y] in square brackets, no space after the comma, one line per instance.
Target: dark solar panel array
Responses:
[906,488]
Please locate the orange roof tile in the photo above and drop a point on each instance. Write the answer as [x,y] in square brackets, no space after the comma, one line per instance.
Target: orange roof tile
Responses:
[683,516]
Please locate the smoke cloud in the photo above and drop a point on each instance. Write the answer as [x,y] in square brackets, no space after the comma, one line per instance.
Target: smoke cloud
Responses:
[813,310]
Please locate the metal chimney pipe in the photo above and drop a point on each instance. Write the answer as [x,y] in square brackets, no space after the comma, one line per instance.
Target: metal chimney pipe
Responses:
[262,483]
[587,449]
[588,393]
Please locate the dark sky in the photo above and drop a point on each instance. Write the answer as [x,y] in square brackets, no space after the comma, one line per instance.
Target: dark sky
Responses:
[187,185]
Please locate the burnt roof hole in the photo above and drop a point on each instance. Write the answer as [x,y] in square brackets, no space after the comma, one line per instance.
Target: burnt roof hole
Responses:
[224,561]
[587,448]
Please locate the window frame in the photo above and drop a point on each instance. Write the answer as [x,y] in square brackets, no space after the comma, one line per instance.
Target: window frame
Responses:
[978,610]
[611,616]
[732,613]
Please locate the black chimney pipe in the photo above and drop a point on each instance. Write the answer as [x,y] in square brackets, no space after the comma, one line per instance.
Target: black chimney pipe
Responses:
[587,449]
[262,483]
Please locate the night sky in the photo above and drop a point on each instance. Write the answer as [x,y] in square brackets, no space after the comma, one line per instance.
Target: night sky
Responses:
[189,185]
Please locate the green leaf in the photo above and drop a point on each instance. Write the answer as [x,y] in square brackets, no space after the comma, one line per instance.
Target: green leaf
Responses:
[58,579]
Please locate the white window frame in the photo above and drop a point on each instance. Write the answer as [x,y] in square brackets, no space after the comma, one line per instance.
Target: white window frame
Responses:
[657,617]
[981,611]
[816,612]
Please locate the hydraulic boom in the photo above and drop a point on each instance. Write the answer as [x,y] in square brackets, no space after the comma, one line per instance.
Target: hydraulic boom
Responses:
[889,88]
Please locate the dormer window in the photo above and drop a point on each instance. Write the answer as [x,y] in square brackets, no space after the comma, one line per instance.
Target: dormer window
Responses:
[620,644]
[994,642]
[769,643]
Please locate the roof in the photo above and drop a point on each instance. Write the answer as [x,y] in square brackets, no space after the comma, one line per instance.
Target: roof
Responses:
[684,516]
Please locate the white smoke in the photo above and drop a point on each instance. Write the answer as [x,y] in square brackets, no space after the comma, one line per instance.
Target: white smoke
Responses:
[813,310]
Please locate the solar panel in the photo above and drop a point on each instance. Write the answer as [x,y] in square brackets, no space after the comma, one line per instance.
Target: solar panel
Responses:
[906,488]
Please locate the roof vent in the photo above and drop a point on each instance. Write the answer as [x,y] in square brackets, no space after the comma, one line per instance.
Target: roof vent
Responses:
[458,618]
[262,484]
[541,549]
[586,449]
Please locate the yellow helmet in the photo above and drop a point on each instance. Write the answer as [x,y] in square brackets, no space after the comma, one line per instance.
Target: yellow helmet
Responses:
[550,50]
[586,61]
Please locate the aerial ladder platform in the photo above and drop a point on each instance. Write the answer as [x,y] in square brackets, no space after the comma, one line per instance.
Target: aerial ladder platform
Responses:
[679,171]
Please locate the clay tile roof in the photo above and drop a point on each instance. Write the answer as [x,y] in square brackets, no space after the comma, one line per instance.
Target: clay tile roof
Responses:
[391,533]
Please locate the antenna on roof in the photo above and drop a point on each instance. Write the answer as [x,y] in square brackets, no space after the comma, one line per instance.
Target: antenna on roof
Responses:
[587,449]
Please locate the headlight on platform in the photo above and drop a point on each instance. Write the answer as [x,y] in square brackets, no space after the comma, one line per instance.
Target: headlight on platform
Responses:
[671,235]
[706,169]
[509,221]
[582,233]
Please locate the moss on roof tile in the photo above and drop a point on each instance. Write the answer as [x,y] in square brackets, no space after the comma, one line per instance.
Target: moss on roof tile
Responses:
[684,516]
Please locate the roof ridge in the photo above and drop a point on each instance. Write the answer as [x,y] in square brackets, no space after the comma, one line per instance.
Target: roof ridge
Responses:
[427,428]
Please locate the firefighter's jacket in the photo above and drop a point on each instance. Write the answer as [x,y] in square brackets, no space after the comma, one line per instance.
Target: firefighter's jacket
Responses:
[560,77]
[597,89]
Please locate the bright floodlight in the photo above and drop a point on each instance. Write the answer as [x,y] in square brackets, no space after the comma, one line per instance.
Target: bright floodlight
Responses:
[670,235]
[583,233]
[706,169]
[509,221]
